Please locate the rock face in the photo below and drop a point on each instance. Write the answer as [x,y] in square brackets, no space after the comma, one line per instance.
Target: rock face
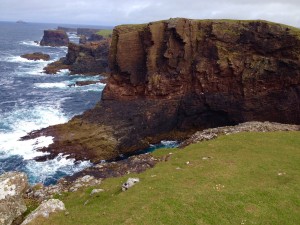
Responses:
[12,188]
[90,58]
[44,210]
[36,56]
[54,38]
[173,77]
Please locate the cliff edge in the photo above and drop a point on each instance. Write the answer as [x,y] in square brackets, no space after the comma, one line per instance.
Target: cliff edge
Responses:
[170,78]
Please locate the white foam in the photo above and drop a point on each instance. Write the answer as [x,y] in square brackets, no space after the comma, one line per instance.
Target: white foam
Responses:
[63,72]
[47,169]
[51,85]
[169,144]
[23,121]
[19,59]
[30,43]
[92,87]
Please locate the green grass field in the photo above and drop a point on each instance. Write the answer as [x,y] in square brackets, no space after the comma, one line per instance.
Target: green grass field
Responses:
[105,33]
[246,178]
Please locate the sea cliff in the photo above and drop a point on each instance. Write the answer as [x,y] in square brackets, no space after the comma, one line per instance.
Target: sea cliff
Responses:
[170,78]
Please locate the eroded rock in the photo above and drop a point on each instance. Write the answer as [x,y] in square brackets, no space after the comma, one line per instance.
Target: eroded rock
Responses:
[12,187]
[90,59]
[55,38]
[44,210]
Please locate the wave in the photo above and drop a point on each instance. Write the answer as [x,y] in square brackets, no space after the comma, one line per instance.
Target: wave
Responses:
[24,120]
[92,87]
[51,85]
[19,59]
[50,171]
[30,43]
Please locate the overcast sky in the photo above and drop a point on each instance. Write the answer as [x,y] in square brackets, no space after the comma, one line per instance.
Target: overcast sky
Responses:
[114,12]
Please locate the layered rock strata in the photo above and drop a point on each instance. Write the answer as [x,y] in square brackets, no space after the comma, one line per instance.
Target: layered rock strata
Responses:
[170,78]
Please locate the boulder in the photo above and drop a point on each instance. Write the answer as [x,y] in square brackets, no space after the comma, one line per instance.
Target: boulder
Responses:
[55,38]
[12,187]
[130,183]
[44,210]
[36,56]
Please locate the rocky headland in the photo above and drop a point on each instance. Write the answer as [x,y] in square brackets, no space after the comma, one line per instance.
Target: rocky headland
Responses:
[171,78]
[54,38]
[87,31]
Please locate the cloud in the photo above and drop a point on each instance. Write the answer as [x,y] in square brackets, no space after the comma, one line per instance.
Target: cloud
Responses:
[113,12]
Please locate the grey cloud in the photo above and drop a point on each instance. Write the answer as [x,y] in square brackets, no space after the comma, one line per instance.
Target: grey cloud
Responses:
[113,12]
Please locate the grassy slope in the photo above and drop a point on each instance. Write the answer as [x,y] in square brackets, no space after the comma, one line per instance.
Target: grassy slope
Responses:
[247,164]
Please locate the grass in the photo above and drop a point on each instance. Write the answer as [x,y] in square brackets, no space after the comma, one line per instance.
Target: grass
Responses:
[105,33]
[250,178]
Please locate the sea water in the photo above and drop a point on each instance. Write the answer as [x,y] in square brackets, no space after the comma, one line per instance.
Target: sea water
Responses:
[31,100]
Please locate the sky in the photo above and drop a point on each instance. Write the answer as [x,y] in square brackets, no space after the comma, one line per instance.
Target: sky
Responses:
[115,12]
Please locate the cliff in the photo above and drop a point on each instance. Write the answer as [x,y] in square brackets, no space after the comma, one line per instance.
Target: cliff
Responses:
[170,78]
[54,38]
[89,58]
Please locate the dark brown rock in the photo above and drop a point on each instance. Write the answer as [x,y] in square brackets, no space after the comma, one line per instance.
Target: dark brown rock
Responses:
[173,77]
[89,59]
[56,66]
[86,82]
[95,37]
[36,56]
[54,38]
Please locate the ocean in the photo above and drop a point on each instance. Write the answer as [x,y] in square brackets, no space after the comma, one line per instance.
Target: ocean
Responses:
[31,100]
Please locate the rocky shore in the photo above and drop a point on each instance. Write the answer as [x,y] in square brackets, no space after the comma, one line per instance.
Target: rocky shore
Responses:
[14,188]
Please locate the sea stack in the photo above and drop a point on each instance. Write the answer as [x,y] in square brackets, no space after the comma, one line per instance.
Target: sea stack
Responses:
[55,38]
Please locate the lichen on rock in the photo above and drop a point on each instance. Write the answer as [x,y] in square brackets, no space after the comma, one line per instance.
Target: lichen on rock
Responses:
[12,187]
